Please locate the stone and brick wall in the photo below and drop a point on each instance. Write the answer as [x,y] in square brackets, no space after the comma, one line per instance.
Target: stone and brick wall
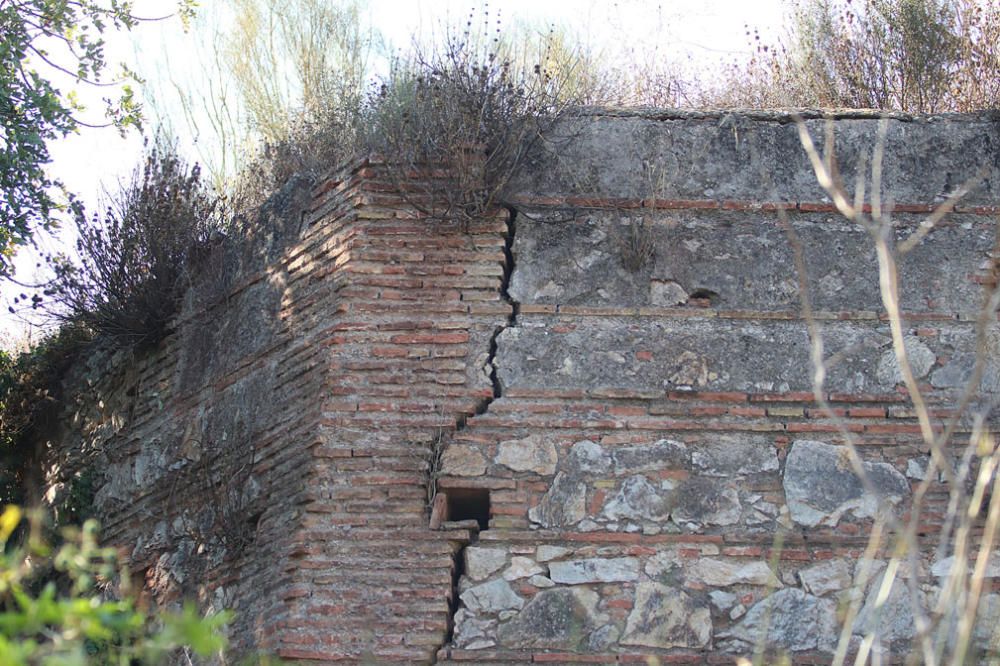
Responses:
[582,429]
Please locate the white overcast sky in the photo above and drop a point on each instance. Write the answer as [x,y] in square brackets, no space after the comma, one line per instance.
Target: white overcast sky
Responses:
[700,33]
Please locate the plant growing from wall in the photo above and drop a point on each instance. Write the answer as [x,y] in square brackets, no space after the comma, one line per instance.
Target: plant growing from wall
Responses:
[135,261]
[223,475]
[463,119]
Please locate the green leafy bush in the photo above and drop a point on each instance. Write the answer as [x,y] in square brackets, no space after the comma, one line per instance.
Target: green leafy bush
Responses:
[57,605]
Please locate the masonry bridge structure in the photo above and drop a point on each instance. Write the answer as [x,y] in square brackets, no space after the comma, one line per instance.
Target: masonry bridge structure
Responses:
[581,429]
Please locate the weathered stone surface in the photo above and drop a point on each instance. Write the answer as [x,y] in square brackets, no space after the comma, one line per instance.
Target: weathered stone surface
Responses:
[722,155]
[920,356]
[705,353]
[743,257]
[985,633]
[664,566]
[545,553]
[723,573]
[793,620]
[639,500]
[595,570]
[557,619]
[491,597]
[734,455]
[603,638]
[702,501]
[521,567]
[944,566]
[666,293]
[663,454]
[459,460]
[722,600]
[825,577]
[664,617]
[473,633]
[955,373]
[589,457]
[541,581]
[892,620]
[480,562]
[530,454]
[564,503]
[820,485]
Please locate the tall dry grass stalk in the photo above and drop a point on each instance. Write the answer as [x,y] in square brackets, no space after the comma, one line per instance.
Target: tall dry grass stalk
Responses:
[945,624]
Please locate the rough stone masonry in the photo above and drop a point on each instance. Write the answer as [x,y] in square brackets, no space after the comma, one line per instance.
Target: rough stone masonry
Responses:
[580,430]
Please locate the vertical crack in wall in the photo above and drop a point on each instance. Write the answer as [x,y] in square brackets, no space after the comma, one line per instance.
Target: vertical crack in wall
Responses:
[508,271]
[458,565]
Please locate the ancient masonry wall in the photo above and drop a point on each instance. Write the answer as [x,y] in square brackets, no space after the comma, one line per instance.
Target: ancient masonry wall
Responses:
[569,432]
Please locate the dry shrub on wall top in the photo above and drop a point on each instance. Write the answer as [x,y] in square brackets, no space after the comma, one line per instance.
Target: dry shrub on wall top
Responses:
[466,116]
[919,56]
[134,261]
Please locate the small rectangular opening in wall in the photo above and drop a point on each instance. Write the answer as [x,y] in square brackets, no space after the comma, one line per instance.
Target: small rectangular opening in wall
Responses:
[469,504]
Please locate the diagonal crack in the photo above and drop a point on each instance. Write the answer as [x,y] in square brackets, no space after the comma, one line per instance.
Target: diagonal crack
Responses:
[482,407]
[514,309]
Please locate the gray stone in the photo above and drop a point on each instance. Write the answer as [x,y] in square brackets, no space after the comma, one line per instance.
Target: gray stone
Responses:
[541,581]
[480,562]
[986,633]
[820,485]
[687,370]
[702,501]
[491,597]
[595,570]
[660,455]
[546,553]
[589,457]
[564,504]
[556,619]
[955,373]
[943,567]
[521,567]
[892,621]
[826,577]
[735,455]
[723,573]
[722,600]
[664,566]
[666,293]
[701,250]
[664,617]
[531,454]
[460,460]
[472,632]
[749,356]
[603,638]
[150,464]
[639,500]
[920,356]
[794,621]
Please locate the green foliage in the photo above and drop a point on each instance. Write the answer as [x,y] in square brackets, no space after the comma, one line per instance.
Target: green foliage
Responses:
[57,607]
[27,394]
[41,41]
